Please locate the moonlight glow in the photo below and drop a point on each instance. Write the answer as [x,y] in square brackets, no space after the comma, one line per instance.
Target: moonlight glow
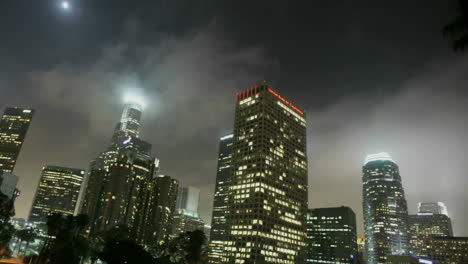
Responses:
[65,5]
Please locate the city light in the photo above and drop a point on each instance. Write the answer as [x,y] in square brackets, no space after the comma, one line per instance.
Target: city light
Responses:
[378,156]
[134,99]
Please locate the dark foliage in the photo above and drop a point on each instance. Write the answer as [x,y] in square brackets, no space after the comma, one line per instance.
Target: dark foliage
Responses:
[6,229]
[120,248]
[457,31]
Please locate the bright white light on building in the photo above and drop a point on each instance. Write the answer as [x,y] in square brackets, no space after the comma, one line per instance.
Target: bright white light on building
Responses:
[134,99]
[378,156]
[227,137]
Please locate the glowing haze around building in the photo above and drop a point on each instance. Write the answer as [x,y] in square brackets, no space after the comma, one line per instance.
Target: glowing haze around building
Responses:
[382,156]
[131,116]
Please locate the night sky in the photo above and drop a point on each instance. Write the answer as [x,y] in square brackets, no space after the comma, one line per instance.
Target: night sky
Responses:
[372,75]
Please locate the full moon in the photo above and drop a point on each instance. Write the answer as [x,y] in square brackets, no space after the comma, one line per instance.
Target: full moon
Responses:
[65,5]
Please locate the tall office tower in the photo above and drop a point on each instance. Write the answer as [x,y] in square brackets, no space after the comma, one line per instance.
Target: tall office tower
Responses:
[122,200]
[8,184]
[186,217]
[267,200]
[188,198]
[220,209]
[57,192]
[159,210]
[185,220]
[433,208]
[331,235]
[13,128]
[121,180]
[131,116]
[430,221]
[448,250]
[385,209]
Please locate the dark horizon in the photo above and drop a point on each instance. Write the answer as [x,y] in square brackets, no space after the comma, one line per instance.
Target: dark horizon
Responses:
[371,76]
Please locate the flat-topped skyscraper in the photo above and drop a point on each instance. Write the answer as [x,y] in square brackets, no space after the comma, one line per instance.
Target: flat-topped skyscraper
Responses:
[218,219]
[267,200]
[385,209]
[331,234]
[433,208]
[58,192]
[13,128]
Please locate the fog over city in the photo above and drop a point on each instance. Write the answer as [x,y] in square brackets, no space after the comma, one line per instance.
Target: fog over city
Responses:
[399,90]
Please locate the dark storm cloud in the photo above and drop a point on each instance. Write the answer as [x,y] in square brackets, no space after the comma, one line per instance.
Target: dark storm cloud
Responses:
[188,84]
[372,75]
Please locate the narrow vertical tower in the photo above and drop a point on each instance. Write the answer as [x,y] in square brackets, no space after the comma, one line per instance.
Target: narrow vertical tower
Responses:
[218,220]
[131,116]
[385,209]
[13,128]
[267,200]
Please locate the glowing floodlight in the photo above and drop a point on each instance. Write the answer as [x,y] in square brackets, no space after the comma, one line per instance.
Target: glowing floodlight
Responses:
[134,99]
[378,156]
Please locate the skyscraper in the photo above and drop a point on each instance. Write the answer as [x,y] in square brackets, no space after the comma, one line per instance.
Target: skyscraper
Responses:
[186,217]
[185,220]
[218,219]
[188,198]
[432,208]
[121,186]
[58,192]
[267,199]
[131,116]
[430,221]
[13,128]
[331,235]
[447,250]
[385,209]
[160,210]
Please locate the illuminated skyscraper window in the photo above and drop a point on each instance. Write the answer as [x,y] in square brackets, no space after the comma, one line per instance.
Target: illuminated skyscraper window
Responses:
[331,235]
[57,192]
[385,209]
[13,128]
[218,219]
[267,197]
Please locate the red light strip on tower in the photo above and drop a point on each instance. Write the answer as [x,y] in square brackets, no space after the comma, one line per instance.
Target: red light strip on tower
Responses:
[247,93]
[286,101]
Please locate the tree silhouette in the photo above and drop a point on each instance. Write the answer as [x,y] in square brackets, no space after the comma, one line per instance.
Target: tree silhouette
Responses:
[457,31]
[66,242]
[187,248]
[27,235]
[120,248]
[7,210]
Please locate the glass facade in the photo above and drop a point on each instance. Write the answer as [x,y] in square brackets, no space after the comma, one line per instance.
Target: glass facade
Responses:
[13,128]
[57,192]
[448,250]
[385,209]
[267,196]
[331,236]
[425,225]
[130,121]
[218,219]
